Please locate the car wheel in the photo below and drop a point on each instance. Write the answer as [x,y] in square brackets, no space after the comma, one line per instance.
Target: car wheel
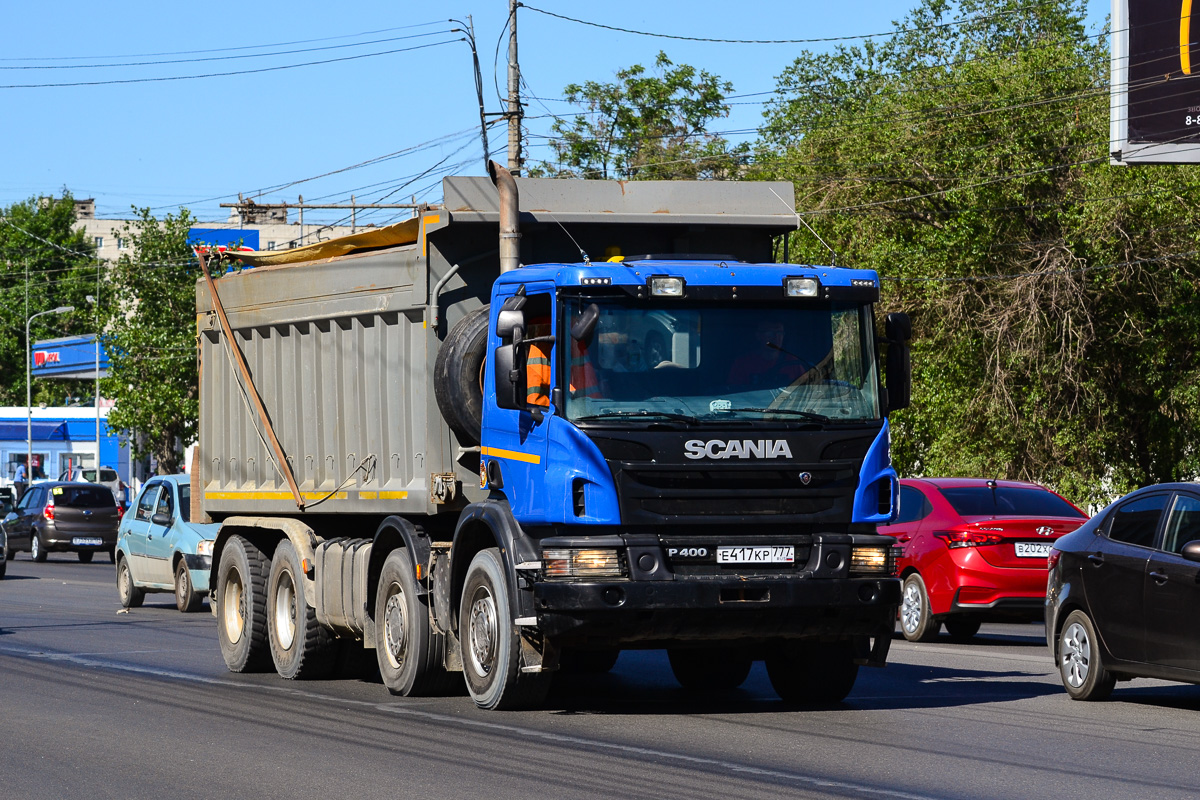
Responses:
[187,599]
[917,622]
[131,596]
[812,673]
[301,647]
[490,642]
[242,606]
[85,556]
[3,568]
[112,555]
[36,551]
[1079,664]
[961,629]
[409,652]
[710,669]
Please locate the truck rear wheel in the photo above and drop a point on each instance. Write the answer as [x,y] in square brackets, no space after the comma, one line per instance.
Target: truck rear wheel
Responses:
[812,673]
[300,646]
[458,376]
[490,642]
[710,669]
[409,652]
[242,606]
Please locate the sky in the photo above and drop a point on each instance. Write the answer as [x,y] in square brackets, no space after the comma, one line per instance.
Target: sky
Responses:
[391,102]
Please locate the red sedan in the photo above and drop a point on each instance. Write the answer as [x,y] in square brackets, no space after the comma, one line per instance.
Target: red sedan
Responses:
[974,550]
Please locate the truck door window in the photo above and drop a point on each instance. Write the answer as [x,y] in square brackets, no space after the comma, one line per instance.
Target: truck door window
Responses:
[538,325]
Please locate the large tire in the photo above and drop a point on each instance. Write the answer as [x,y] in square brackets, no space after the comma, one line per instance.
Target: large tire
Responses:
[85,556]
[242,606]
[458,376]
[187,599]
[490,642]
[301,647]
[812,673]
[410,654]
[917,622]
[131,596]
[1079,663]
[710,669]
[961,629]
[36,551]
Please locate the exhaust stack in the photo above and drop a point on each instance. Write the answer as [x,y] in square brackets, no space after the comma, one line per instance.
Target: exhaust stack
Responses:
[510,214]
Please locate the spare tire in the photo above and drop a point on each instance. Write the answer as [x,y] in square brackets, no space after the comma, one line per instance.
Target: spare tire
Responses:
[458,376]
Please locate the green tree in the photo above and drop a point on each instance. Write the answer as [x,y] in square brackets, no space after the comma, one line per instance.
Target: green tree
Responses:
[150,337]
[645,126]
[1054,297]
[44,263]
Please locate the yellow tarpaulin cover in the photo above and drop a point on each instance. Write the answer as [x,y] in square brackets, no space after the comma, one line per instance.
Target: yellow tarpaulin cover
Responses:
[401,233]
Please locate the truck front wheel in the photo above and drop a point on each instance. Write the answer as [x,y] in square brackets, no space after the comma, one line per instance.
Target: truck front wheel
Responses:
[242,606]
[410,654]
[300,646]
[812,673]
[490,643]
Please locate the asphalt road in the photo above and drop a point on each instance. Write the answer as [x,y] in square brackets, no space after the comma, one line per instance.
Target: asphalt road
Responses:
[100,704]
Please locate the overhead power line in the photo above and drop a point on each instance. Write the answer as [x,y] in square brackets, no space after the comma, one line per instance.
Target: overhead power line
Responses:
[226,74]
[821,40]
[226,58]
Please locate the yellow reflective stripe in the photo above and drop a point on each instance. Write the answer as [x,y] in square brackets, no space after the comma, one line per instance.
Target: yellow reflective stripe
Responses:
[382,495]
[1185,36]
[515,455]
[270,495]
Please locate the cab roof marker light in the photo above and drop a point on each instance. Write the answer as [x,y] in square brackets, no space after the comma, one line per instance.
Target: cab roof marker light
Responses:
[801,287]
[595,281]
[666,286]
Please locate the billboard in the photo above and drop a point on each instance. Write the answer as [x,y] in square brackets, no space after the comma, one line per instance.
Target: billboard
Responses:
[1155,102]
[247,238]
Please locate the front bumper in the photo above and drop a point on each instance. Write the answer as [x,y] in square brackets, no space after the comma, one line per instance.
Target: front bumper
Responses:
[622,612]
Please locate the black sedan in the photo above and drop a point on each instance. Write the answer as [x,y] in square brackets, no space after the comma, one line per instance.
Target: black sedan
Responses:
[1123,594]
[63,517]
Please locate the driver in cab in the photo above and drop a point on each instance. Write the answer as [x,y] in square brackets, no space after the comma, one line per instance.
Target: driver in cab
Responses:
[764,362]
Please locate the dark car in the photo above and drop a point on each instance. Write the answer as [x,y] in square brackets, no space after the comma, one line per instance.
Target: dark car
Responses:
[974,550]
[1123,594]
[63,517]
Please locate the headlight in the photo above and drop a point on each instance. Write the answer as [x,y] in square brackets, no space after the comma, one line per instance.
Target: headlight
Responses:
[205,548]
[571,563]
[665,286]
[872,561]
[800,287]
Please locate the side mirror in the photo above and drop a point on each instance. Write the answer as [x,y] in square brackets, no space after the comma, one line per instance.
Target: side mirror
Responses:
[899,361]
[161,519]
[509,378]
[508,323]
[1191,550]
[585,324]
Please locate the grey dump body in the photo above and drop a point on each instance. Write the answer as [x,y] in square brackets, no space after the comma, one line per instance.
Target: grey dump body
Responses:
[341,349]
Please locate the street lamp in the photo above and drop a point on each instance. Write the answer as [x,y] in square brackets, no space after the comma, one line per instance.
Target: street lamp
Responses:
[29,390]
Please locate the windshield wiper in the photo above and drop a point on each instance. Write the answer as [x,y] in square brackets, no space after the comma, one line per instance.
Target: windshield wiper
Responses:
[795,412]
[639,413]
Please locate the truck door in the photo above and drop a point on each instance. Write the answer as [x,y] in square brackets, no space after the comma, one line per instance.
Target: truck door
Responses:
[515,438]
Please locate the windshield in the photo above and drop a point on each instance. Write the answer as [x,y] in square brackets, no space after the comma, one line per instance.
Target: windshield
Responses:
[702,362]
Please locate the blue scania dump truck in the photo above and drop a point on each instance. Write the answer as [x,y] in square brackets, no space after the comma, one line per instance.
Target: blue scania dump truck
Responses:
[544,422]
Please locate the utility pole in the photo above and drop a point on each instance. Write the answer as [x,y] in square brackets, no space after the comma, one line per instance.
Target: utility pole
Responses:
[514,94]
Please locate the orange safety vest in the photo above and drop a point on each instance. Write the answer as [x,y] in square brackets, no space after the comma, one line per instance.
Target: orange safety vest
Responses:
[537,375]
[584,381]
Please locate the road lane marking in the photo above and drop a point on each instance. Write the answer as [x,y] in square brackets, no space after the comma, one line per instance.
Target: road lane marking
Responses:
[497,727]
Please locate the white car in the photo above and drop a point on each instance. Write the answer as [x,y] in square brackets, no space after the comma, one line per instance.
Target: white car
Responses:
[107,477]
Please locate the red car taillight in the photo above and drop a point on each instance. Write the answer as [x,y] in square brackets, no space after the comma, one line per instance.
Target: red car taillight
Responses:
[48,511]
[954,539]
[1052,559]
